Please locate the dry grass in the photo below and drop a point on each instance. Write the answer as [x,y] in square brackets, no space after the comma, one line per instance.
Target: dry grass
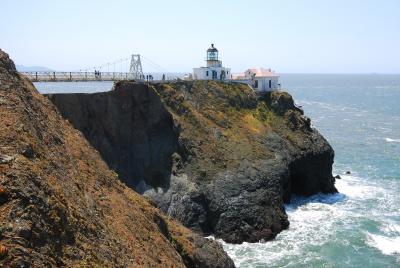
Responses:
[74,194]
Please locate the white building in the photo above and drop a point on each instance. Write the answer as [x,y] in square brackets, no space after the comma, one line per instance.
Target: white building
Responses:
[259,78]
[214,69]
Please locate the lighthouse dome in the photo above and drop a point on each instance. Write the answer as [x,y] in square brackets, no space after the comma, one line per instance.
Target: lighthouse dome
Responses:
[212,49]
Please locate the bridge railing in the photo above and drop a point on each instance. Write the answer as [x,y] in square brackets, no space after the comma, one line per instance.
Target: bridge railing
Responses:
[77,76]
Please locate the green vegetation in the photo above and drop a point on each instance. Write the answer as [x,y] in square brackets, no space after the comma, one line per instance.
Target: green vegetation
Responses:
[226,122]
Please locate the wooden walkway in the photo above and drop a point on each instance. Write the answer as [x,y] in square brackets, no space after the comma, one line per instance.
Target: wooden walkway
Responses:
[78,76]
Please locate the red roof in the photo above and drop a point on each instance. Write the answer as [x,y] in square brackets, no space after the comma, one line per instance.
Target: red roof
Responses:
[261,72]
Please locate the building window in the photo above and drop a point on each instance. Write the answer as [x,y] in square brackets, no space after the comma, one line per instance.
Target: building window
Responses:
[227,72]
[256,83]
[214,74]
[206,73]
[270,84]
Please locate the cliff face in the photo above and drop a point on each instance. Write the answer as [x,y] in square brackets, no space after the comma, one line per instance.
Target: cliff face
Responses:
[132,129]
[60,205]
[213,155]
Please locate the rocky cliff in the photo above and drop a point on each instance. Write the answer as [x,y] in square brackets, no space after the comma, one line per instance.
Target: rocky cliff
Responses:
[60,204]
[216,156]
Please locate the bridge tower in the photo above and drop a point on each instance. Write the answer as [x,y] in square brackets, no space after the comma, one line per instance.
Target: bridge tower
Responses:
[136,67]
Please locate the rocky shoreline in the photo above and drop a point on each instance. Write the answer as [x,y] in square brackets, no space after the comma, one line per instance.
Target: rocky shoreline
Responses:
[215,156]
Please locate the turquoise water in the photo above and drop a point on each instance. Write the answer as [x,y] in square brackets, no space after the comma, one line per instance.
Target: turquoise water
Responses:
[360,227]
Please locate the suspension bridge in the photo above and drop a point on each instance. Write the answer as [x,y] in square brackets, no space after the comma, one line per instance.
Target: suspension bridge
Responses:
[105,72]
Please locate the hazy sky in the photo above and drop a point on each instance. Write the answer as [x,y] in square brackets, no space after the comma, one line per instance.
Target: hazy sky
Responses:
[339,36]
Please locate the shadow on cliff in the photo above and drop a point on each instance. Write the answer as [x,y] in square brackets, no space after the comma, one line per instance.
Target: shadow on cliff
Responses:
[131,129]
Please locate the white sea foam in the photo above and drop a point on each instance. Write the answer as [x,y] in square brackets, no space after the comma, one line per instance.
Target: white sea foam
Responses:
[392,140]
[389,242]
[304,214]
[387,245]
[353,187]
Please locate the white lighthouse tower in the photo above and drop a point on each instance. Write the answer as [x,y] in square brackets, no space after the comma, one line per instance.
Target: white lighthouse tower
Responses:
[214,69]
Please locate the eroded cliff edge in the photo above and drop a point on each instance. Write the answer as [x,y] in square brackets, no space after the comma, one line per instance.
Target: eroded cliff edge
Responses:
[216,156]
[61,206]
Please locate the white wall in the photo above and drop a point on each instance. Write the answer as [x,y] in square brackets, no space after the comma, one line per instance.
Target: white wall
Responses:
[200,73]
[263,83]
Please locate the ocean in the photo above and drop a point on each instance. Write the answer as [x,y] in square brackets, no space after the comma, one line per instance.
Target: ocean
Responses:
[360,226]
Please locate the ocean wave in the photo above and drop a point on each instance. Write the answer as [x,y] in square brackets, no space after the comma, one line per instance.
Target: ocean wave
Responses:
[392,140]
[391,228]
[353,187]
[329,199]
[304,215]
[387,245]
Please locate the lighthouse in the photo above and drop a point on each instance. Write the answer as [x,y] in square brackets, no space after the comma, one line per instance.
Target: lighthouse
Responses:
[212,57]
[214,69]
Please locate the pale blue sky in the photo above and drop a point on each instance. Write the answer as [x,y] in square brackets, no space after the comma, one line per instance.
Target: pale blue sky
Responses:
[301,36]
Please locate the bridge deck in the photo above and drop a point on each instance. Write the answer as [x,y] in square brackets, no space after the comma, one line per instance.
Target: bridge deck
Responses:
[77,76]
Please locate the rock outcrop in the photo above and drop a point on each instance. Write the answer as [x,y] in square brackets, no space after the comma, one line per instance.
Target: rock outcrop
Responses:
[216,156]
[60,204]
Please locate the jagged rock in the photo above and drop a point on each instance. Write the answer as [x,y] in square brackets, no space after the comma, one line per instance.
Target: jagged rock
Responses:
[241,155]
[4,159]
[208,254]
[23,228]
[6,64]
[29,152]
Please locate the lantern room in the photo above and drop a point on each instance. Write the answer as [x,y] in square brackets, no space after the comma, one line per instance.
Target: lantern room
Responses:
[212,53]
[212,57]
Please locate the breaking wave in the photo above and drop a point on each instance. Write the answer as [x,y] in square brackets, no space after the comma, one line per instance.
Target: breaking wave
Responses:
[322,220]
[387,245]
